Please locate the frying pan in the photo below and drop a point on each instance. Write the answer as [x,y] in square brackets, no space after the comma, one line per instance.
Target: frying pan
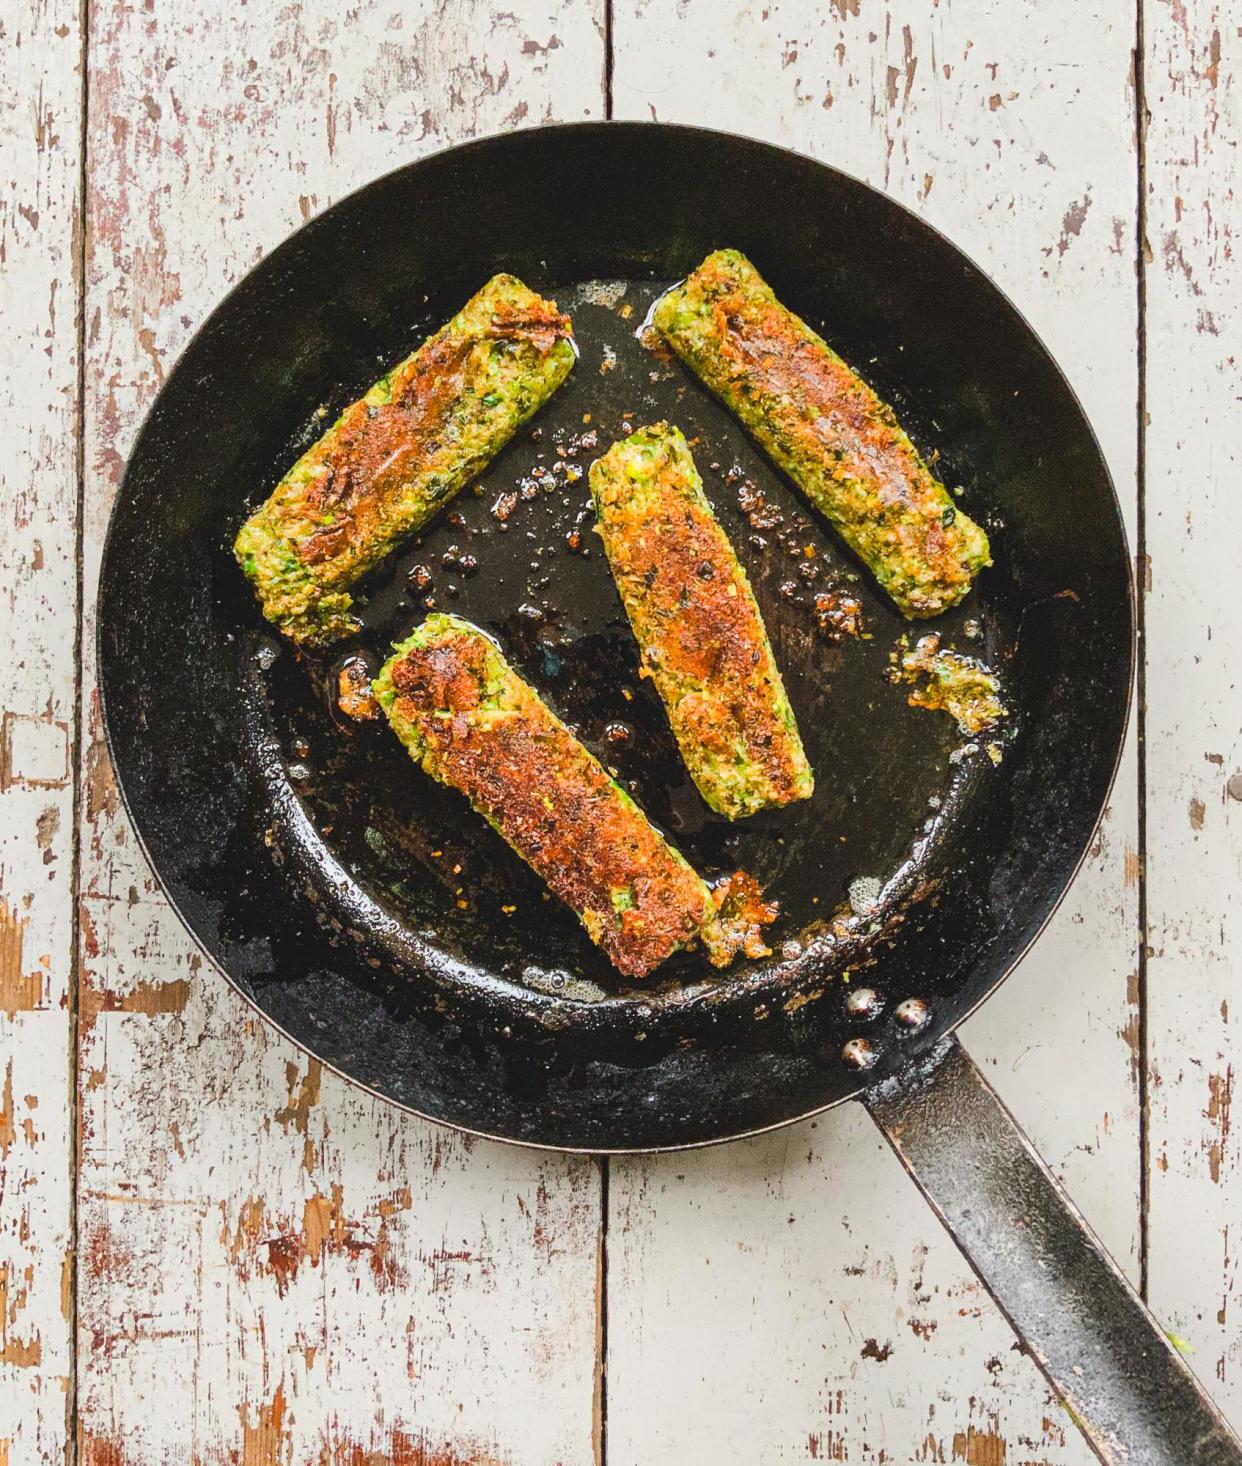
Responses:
[382,926]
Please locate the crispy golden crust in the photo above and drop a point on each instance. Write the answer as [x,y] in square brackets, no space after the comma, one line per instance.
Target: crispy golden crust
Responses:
[827,429]
[697,624]
[479,728]
[377,449]
[393,458]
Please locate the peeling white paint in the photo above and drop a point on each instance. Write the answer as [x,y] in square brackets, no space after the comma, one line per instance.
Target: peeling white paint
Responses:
[1194,720]
[277,1267]
[40,137]
[1012,129]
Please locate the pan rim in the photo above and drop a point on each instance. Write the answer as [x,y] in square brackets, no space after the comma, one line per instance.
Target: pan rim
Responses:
[712,135]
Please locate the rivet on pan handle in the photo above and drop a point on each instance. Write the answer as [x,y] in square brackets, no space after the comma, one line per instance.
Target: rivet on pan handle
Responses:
[1127,1388]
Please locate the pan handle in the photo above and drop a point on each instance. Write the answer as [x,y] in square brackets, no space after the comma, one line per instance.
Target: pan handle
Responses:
[1127,1388]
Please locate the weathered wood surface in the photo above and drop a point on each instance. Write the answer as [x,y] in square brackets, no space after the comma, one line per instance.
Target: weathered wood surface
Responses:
[1193,57]
[40,138]
[274,1267]
[839,1322]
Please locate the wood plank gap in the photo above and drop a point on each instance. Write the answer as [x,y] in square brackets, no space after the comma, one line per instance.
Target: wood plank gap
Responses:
[1140,593]
[601,1325]
[75,867]
[608,62]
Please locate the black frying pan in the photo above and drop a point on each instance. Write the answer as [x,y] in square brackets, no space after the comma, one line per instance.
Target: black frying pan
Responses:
[376,921]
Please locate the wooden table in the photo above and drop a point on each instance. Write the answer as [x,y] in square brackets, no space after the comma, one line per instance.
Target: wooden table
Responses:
[211,1251]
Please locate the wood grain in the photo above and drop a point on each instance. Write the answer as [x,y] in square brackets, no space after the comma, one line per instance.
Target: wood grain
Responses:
[40,140]
[839,1322]
[1194,697]
[276,1268]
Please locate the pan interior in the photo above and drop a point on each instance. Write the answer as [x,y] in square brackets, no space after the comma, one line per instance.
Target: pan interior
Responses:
[516,555]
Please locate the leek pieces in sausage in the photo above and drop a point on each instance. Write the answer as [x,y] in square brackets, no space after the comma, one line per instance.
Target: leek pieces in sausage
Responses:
[472,723]
[698,627]
[392,459]
[828,430]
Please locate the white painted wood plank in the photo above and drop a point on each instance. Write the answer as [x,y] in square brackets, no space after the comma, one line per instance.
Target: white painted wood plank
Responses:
[40,142]
[1194,693]
[275,1267]
[1011,128]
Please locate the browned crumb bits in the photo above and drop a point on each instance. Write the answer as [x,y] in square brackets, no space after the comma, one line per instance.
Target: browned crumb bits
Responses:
[354,696]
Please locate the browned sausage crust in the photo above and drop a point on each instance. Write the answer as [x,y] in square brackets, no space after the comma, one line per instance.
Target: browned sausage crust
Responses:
[827,429]
[394,457]
[474,724]
[698,626]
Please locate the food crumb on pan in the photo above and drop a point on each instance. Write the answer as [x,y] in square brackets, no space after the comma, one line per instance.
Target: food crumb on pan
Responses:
[838,613]
[741,914]
[354,696]
[947,681]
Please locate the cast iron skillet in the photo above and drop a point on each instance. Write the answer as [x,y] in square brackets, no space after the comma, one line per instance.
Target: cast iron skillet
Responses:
[376,921]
